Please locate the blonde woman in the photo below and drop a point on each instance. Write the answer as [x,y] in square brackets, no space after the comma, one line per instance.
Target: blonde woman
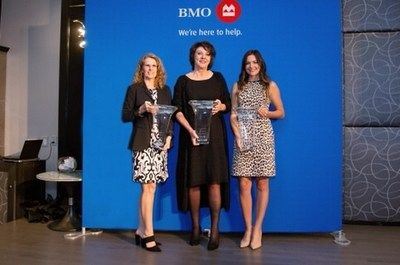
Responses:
[149,164]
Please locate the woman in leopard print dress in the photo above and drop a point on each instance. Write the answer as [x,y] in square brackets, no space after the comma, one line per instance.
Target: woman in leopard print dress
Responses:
[255,90]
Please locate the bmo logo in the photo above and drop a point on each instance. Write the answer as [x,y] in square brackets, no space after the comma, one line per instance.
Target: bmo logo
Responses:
[227,11]
[194,12]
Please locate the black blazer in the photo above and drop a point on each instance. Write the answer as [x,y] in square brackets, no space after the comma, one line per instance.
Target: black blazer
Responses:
[135,96]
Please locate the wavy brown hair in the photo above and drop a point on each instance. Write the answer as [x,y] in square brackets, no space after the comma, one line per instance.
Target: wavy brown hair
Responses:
[244,76]
[161,74]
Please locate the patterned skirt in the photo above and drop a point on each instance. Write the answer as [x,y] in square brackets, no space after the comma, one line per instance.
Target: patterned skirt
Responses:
[150,166]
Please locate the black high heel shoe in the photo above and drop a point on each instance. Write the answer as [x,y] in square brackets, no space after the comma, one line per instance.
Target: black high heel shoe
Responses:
[213,243]
[195,238]
[138,240]
[149,239]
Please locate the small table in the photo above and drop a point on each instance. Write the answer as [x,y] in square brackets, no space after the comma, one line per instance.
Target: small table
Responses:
[70,221]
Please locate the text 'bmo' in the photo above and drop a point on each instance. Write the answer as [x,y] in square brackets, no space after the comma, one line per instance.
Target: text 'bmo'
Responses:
[197,12]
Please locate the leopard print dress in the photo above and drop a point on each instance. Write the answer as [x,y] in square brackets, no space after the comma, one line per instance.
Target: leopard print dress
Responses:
[260,160]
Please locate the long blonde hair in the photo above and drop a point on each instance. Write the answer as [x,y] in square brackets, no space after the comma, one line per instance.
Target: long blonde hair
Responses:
[161,74]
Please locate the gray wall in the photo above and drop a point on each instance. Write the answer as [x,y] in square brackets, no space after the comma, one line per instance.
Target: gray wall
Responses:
[371,90]
[31,29]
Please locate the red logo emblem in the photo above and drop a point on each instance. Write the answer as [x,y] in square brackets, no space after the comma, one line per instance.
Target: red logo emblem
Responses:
[228,11]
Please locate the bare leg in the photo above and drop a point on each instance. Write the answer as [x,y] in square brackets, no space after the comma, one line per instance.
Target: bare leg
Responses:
[261,207]
[140,229]
[194,202]
[246,203]
[147,202]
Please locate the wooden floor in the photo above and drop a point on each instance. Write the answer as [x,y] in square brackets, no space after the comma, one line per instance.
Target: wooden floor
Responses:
[33,243]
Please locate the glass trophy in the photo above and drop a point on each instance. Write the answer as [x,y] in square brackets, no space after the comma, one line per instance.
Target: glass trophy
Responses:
[202,118]
[162,120]
[246,118]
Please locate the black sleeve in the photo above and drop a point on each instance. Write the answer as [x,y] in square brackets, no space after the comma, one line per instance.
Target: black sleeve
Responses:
[168,96]
[129,111]
[225,96]
[178,98]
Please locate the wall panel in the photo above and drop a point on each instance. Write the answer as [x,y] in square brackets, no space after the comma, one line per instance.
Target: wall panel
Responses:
[371,110]
[372,179]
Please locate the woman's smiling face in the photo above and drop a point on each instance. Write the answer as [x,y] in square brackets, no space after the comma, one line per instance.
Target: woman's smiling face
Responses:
[252,66]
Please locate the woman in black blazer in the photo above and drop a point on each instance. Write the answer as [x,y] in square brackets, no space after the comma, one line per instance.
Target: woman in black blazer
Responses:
[149,163]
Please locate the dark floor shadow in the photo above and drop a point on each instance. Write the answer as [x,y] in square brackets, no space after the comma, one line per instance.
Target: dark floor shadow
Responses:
[125,235]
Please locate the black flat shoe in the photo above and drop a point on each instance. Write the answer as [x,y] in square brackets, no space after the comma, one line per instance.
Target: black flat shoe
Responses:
[213,243]
[195,238]
[149,239]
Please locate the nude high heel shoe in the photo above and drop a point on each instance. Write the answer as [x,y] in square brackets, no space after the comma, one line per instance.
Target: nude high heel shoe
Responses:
[256,240]
[245,242]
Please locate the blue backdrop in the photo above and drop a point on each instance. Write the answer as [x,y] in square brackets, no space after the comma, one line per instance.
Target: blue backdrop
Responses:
[301,43]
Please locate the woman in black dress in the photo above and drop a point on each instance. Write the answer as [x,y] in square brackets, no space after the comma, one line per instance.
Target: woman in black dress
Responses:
[202,173]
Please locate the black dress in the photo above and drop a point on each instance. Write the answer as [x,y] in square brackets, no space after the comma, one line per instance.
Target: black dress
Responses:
[204,164]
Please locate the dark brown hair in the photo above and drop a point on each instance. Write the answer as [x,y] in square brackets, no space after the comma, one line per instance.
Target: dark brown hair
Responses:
[244,76]
[208,47]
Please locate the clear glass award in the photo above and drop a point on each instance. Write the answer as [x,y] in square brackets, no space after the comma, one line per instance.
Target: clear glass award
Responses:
[246,117]
[161,123]
[202,118]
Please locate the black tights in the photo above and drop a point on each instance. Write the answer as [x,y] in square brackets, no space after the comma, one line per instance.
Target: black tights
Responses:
[214,200]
